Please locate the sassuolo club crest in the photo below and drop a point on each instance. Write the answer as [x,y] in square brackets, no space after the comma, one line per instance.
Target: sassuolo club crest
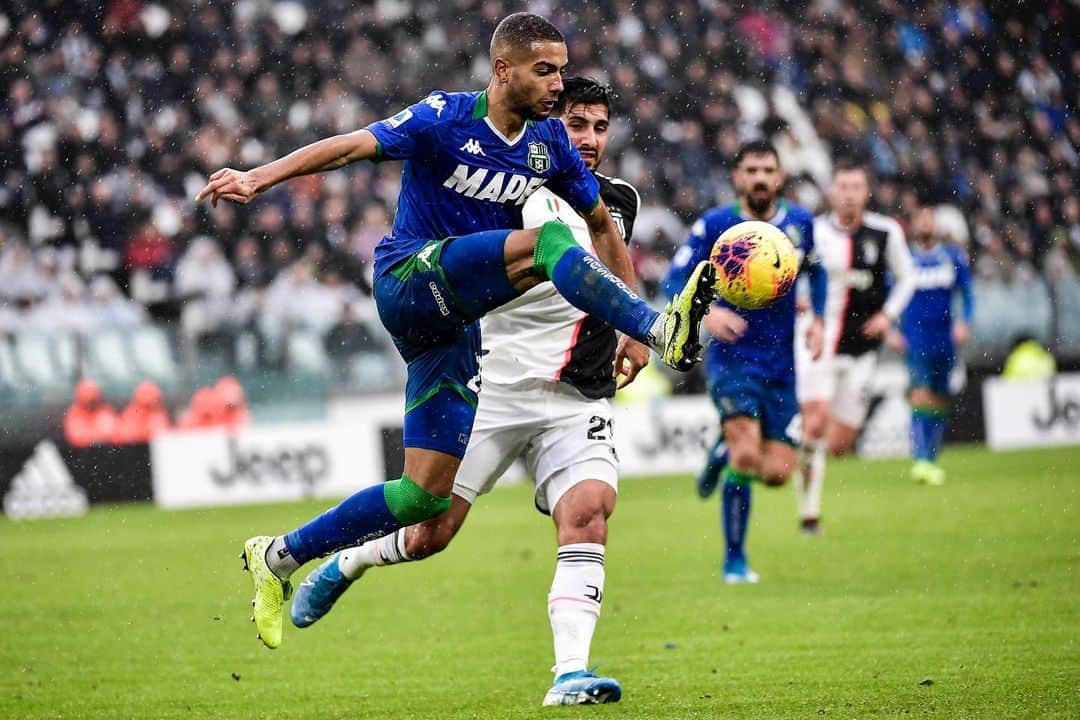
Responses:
[538,157]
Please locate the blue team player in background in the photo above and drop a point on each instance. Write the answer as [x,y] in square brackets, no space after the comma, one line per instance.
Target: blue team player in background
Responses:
[751,370]
[929,338]
[471,159]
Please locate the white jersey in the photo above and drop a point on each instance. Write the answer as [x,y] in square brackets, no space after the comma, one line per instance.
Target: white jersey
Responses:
[856,262]
[539,335]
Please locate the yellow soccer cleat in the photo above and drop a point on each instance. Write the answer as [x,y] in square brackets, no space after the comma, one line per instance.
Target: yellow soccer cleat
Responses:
[925,472]
[271,592]
[682,339]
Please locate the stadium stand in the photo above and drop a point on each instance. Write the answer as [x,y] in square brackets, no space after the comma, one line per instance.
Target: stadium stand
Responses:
[113,112]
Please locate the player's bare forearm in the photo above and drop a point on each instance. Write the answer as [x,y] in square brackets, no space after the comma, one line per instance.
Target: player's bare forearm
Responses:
[321,156]
[609,245]
[328,154]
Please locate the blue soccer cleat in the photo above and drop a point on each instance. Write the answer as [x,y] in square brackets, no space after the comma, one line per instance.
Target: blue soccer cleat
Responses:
[583,688]
[317,594]
[737,572]
[709,478]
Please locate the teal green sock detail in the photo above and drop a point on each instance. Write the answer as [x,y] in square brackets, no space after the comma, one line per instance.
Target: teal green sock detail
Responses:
[552,243]
[732,475]
[410,503]
[930,412]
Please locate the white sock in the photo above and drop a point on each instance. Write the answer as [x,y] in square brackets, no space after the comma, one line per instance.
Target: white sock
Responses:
[812,462]
[280,561]
[387,550]
[574,604]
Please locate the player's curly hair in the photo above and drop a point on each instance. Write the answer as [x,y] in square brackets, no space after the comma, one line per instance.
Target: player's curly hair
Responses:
[582,91]
[522,29]
[755,147]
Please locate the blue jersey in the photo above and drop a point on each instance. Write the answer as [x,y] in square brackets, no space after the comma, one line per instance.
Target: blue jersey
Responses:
[463,176]
[767,349]
[940,272]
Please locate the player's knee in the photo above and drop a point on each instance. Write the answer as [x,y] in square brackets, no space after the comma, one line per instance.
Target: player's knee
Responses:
[814,425]
[411,503]
[553,239]
[585,525]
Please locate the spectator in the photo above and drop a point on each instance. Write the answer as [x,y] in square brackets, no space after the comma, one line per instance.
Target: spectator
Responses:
[234,410]
[144,417]
[205,281]
[112,122]
[110,309]
[90,420]
[203,412]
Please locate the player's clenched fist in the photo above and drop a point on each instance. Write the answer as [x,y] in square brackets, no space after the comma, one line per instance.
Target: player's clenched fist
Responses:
[238,186]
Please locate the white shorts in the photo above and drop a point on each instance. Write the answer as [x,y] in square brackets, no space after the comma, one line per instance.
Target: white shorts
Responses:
[843,381]
[563,437]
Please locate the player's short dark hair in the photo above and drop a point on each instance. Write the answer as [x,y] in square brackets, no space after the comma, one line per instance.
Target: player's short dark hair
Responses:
[850,164]
[755,147]
[582,91]
[521,30]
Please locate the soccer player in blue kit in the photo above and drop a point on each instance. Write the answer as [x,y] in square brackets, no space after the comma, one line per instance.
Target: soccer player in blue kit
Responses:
[928,336]
[751,370]
[471,161]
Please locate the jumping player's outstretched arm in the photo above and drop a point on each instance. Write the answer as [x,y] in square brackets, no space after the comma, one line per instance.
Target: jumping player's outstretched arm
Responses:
[242,186]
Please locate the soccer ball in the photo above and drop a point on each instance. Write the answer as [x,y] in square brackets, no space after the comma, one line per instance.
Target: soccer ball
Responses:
[755,263]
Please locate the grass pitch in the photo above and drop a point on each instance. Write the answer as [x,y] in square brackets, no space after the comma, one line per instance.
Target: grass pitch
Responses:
[956,602]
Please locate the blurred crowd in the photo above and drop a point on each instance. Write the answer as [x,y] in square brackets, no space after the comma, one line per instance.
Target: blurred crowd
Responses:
[91,420]
[115,111]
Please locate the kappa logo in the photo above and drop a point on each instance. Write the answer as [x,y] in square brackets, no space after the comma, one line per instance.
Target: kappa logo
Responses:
[424,257]
[44,488]
[473,147]
[538,157]
[436,103]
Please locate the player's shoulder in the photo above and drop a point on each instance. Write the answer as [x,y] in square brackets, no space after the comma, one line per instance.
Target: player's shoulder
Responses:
[451,106]
[715,220]
[799,213]
[956,253]
[617,191]
[882,222]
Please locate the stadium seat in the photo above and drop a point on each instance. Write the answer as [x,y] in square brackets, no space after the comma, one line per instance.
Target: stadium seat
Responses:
[110,361]
[11,380]
[304,352]
[34,355]
[68,355]
[1067,295]
[153,353]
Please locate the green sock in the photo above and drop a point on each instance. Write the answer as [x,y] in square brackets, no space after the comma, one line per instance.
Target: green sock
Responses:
[410,503]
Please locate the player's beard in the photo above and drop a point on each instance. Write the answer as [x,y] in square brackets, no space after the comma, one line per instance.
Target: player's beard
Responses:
[759,203]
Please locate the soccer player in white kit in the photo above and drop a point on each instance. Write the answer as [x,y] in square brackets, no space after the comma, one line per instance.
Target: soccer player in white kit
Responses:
[547,377]
[862,252]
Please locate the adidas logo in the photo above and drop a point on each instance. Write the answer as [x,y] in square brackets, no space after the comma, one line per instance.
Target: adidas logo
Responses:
[473,147]
[44,488]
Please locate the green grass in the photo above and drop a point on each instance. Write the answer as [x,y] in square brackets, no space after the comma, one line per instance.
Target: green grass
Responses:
[957,602]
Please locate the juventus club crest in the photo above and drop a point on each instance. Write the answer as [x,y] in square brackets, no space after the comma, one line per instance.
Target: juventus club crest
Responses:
[538,157]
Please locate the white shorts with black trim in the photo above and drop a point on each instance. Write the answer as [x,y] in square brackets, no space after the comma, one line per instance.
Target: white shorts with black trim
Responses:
[843,381]
[563,437]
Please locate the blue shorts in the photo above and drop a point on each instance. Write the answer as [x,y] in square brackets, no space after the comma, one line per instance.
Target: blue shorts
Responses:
[771,402]
[931,370]
[431,303]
